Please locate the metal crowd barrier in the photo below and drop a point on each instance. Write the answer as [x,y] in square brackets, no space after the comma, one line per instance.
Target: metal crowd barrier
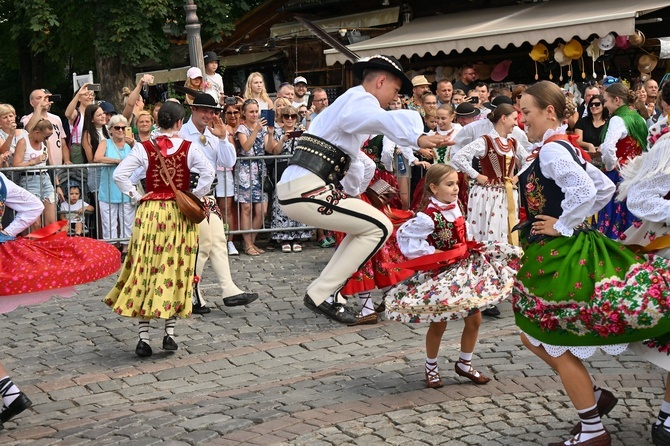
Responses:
[84,175]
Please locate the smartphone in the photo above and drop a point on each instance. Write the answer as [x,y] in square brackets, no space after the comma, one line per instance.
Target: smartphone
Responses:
[129,132]
[473,99]
[294,134]
[269,116]
[230,100]
[93,87]
[54,97]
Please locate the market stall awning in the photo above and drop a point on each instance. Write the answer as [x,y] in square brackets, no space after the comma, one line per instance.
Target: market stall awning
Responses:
[516,25]
[367,19]
[239,60]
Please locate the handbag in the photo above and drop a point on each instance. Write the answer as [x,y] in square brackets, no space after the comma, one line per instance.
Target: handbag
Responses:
[380,193]
[190,205]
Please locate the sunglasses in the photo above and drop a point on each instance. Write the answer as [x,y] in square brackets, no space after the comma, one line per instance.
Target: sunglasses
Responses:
[290,116]
[232,113]
[251,101]
[119,127]
[595,104]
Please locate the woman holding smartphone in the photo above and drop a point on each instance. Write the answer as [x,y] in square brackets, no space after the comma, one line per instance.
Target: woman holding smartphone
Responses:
[285,140]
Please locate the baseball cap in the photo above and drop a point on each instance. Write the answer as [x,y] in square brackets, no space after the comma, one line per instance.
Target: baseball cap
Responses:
[194,72]
[299,79]
[210,56]
[107,107]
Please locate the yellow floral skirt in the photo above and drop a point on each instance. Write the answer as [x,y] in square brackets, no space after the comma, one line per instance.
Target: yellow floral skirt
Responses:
[156,280]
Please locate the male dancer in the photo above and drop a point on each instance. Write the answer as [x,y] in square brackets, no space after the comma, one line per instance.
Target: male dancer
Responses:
[206,131]
[328,153]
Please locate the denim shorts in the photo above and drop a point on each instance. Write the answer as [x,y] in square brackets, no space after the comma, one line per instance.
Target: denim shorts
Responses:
[39,184]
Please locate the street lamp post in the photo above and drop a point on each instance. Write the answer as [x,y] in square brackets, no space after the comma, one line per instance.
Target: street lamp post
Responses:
[193,36]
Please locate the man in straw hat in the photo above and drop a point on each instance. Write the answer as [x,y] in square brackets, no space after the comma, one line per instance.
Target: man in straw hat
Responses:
[420,86]
[206,131]
[329,153]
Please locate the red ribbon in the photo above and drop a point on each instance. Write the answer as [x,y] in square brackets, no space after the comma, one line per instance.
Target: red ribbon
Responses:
[440,259]
[164,144]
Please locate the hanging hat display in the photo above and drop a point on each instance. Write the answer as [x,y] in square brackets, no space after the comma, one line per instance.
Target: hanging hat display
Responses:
[594,52]
[606,43]
[645,65]
[636,39]
[501,71]
[562,59]
[483,70]
[622,42]
[573,49]
[540,53]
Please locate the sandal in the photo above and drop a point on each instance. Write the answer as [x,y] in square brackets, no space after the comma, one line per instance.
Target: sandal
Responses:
[297,247]
[286,247]
[251,251]
[325,243]
[473,375]
[433,379]
[260,251]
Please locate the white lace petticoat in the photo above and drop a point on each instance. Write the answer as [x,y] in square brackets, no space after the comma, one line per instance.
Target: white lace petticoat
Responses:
[579,352]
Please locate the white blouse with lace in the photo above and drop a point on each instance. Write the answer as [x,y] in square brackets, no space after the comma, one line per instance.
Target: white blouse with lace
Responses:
[462,160]
[616,131]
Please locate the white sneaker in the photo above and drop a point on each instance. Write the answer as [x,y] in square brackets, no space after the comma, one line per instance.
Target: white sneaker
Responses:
[232,250]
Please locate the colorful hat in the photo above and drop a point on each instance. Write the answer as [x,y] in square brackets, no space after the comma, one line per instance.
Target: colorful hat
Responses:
[540,53]
[501,70]
[622,42]
[606,43]
[636,39]
[573,49]
[483,70]
[646,64]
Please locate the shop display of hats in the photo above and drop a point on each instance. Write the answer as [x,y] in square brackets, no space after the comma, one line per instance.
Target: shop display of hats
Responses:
[501,70]
[645,65]
[606,43]
[636,39]
[539,53]
[573,49]
[483,70]
[622,42]
[594,51]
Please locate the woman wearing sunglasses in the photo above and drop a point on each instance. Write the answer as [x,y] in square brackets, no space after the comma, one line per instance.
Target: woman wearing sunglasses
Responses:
[225,186]
[589,129]
[285,142]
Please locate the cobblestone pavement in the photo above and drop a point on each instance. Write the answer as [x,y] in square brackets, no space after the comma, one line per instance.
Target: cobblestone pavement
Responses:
[276,373]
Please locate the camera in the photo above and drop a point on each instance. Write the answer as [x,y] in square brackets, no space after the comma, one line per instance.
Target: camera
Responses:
[230,100]
[93,87]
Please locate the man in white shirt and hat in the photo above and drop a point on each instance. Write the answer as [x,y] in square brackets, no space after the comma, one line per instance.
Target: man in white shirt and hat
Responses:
[329,153]
[207,132]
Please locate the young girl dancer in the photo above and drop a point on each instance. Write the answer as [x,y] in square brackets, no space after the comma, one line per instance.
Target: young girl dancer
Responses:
[460,277]
[577,290]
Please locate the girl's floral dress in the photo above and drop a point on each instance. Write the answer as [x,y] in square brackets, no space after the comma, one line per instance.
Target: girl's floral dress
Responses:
[249,174]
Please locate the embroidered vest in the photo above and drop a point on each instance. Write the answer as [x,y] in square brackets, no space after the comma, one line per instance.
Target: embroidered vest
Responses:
[494,165]
[446,233]
[627,149]
[373,148]
[539,194]
[177,167]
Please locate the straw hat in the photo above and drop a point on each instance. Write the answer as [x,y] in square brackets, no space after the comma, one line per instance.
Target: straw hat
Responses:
[483,70]
[646,64]
[606,43]
[573,49]
[448,73]
[540,53]
[636,39]
[420,80]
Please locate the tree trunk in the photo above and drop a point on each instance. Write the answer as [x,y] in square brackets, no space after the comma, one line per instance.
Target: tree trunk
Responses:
[114,75]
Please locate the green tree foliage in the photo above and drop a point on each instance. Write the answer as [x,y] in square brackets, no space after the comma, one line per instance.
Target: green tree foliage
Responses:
[45,41]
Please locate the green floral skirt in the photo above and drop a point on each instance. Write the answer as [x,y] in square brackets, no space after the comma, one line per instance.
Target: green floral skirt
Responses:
[588,290]
[156,280]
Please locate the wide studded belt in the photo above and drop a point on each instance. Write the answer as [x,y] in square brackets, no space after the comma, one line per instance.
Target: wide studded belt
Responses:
[321,158]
